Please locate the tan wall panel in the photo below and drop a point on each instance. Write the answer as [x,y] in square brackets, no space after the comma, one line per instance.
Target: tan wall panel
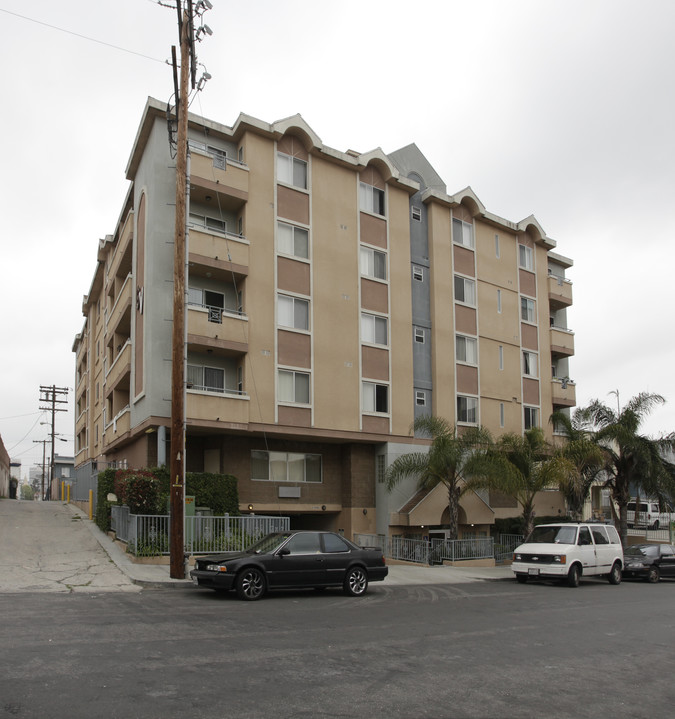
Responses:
[294,349]
[463,261]
[294,146]
[503,326]
[375,425]
[140,281]
[467,379]
[293,276]
[335,296]
[462,213]
[529,335]
[528,283]
[260,283]
[374,296]
[375,363]
[373,230]
[531,391]
[499,384]
[500,271]
[292,205]
[295,416]
[443,346]
[465,317]
[371,176]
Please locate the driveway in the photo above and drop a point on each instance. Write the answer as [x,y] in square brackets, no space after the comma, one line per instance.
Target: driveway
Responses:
[44,547]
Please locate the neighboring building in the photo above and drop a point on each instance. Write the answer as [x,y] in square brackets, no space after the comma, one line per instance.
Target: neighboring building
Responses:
[5,472]
[333,297]
[64,471]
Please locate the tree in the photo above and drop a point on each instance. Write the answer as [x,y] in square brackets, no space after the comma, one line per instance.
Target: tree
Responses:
[442,464]
[586,456]
[520,466]
[632,460]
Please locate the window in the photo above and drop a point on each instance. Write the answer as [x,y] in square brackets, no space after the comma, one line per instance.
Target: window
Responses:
[501,357]
[525,257]
[465,290]
[530,364]
[462,233]
[208,379]
[499,301]
[240,380]
[501,414]
[418,273]
[375,397]
[371,199]
[285,466]
[421,399]
[291,171]
[531,417]
[304,544]
[527,310]
[497,249]
[416,213]
[210,223]
[293,312]
[373,263]
[331,544]
[292,240]
[214,302]
[466,349]
[467,409]
[419,335]
[380,462]
[293,386]
[373,329]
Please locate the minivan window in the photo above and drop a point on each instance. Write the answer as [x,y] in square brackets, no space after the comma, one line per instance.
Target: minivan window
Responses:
[584,536]
[600,535]
[553,534]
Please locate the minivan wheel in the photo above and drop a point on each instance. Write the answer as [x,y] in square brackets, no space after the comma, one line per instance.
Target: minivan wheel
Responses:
[573,576]
[615,574]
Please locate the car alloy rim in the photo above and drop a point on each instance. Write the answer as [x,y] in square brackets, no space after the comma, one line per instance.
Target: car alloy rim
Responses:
[252,584]
[357,581]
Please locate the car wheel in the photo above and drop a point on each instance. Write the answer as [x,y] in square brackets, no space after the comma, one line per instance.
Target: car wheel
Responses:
[356,582]
[573,576]
[652,575]
[614,575]
[251,584]
[521,578]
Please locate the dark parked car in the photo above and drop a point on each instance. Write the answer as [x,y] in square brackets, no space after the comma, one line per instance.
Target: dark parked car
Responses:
[285,560]
[649,561]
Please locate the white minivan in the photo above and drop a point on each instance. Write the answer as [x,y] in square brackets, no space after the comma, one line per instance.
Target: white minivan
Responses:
[569,551]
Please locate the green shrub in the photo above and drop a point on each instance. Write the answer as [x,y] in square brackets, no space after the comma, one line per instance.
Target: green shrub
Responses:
[105,486]
[219,492]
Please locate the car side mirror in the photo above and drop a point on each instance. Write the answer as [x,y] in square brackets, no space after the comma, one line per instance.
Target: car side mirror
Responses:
[283,552]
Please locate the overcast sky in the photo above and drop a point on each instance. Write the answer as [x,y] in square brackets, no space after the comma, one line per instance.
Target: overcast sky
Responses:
[561,109]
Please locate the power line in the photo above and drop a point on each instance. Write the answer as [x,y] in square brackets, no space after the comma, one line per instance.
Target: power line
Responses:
[83,37]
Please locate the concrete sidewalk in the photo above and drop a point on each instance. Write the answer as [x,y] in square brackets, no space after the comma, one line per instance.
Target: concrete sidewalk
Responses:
[157,575]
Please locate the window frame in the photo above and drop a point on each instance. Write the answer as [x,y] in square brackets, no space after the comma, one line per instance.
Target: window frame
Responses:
[466,341]
[416,213]
[459,238]
[530,364]
[371,199]
[371,337]
[377,388]
[418,273]
[530,417]
[295,374]
[466,281]
[282,238]
[288,162]
[284,298]
[367,260]
[270,478]
[528,307]
[525,257]
[467,399]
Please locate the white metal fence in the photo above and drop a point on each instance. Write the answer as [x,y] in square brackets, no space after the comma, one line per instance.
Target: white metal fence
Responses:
[148,535]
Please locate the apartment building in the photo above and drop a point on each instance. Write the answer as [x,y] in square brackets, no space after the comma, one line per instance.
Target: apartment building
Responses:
[332,297]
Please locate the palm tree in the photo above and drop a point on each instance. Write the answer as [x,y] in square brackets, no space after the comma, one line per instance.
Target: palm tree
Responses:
[584,454]
[632,460]
[520,466]
[442,464]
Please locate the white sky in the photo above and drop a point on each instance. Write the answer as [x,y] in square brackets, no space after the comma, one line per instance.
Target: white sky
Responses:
[562,109]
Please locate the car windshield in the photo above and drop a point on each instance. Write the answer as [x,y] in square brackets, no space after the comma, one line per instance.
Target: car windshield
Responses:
[553,534]
[268,544]
[641,551]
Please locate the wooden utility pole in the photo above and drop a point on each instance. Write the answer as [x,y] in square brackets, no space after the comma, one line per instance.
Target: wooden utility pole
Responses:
[43,442]
[52,395]
[177,464]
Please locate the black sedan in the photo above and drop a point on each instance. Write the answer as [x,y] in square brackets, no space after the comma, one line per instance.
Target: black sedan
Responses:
[285,560]
[649,561]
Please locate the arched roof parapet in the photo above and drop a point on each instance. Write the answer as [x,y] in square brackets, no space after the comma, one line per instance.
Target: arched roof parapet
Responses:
[296,126]
[535,231]
[381,162]
[470,200]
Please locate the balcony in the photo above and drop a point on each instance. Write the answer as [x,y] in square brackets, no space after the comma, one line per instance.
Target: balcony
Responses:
[563,393]
[207,407]
[120,425]
[120,367]
[221,246]
[215,328]
[562,342]
[211,175]
[122,305]
[81,421]
[559,292]
[120,263]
